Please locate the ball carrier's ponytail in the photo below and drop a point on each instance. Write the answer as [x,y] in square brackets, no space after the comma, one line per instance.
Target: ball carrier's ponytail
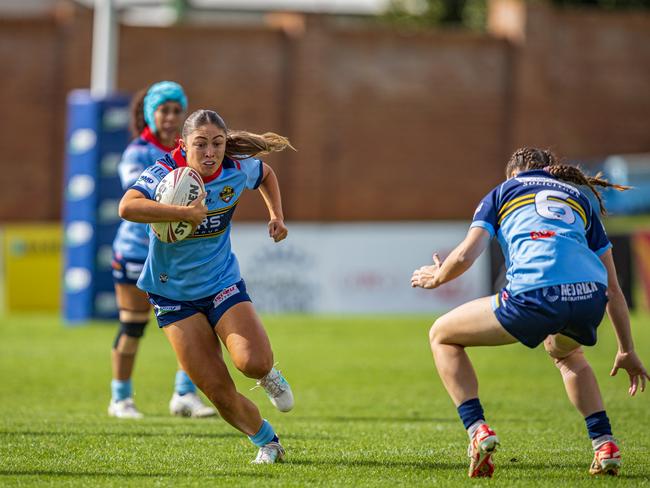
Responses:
[239,143]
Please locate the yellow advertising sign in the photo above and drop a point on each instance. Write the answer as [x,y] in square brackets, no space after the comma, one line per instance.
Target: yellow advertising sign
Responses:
[33,262]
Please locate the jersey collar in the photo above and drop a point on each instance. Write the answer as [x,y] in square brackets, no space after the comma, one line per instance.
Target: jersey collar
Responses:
[179,157]
[150,137]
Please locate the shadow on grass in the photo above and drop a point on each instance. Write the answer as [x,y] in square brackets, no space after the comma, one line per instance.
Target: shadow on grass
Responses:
[44,472]
[539,469]
[150,434]
[372,463]
[128,433]
[342,418]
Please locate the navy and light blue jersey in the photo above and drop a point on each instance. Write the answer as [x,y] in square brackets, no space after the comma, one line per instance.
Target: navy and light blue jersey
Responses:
[132,240]
[548,231]
[203,263]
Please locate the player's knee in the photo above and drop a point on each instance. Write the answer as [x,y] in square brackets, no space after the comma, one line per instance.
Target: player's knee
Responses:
[134,316]
[128,336]
[437,332]
[570,363]
[253,365]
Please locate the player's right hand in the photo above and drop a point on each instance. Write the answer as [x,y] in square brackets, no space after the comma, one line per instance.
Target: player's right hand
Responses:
[196,211]
[630,362]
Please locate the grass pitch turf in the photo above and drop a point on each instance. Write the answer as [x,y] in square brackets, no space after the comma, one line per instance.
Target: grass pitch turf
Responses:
[370,411]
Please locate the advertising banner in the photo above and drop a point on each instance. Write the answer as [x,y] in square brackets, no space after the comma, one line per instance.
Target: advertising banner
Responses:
[96,136]
[352,268]
[32,262]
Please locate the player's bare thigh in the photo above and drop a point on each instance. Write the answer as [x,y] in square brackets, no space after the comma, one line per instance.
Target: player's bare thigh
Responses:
[243,334]
[199,353]
[132,303]
[470,324]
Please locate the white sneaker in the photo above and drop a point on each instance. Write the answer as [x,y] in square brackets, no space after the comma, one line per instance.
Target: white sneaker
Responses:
[124,409]
[278,390]
[190,405]
[269,453]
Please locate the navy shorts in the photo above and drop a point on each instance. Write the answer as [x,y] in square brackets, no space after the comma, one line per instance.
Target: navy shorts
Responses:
[213,307]
[574,310]
[126,271]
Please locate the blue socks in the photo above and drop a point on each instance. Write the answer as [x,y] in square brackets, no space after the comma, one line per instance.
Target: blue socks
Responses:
[121,389]
[598,425]
[265,435]
[470,412]
[183,383]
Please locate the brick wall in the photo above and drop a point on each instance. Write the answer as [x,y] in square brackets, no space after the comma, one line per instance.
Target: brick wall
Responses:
[388,125]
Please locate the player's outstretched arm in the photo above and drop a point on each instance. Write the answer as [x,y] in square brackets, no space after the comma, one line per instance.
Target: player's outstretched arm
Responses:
[458,261]
[626,357]
[135,207]
[270,190]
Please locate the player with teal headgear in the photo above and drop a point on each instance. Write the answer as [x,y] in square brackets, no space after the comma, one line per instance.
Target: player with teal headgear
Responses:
[159,93]
[156,118]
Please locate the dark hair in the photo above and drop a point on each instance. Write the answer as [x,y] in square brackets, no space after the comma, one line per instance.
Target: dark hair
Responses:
[529,158]
[239,143]
[137,123]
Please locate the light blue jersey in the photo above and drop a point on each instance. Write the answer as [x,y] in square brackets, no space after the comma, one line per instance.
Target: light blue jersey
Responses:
[548,231]
[202,264]
[132,240]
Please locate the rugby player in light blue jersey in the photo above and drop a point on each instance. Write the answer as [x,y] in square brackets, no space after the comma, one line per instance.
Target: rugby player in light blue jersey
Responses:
[561,279]
[195,285]
[156,119]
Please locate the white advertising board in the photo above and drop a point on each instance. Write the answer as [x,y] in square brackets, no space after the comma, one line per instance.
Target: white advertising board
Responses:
[353,267]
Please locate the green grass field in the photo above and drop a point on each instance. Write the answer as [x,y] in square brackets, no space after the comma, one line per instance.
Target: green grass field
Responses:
[370,411]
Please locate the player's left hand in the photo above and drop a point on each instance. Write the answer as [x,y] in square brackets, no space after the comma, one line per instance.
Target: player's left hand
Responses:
[425,277]
[277,230]
[630,362]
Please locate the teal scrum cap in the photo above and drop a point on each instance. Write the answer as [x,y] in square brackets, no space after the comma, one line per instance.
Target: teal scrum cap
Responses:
[159,93]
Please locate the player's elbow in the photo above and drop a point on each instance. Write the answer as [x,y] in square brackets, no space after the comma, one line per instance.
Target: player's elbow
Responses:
[614,293]
[124,210]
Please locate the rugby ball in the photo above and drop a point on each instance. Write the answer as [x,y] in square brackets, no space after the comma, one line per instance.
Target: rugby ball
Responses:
[180,187]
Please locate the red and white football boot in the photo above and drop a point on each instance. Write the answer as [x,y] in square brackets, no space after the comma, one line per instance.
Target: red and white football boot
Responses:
[480,450]
[607,460]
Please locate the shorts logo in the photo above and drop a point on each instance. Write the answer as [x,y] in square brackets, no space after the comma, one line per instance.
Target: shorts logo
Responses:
[227,193]
[163,310]
[133,270]
[163,278]
[552,293]
[224,295]
[576,292]
[504,296]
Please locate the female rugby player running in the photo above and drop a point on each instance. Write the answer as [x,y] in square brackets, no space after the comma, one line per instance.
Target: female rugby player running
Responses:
[156,119]
[195,285]
[561,279]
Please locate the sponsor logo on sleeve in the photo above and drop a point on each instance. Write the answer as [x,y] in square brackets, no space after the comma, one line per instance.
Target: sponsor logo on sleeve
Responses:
[147,182]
